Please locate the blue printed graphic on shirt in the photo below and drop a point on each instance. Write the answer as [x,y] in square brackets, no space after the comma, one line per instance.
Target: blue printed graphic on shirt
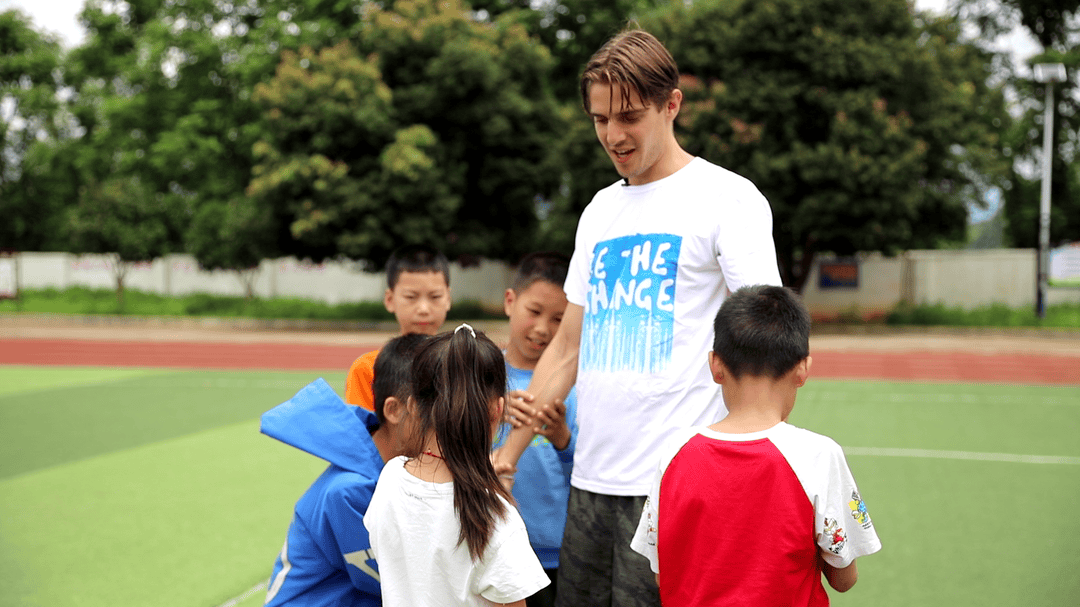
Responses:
[630,309]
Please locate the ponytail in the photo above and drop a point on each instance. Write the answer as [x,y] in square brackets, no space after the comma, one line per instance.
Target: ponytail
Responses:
[456,378]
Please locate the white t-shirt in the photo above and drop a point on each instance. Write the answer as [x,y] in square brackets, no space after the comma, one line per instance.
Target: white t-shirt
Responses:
[414,530]
[651,266]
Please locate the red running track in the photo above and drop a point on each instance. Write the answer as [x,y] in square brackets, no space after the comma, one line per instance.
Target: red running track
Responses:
[905,365]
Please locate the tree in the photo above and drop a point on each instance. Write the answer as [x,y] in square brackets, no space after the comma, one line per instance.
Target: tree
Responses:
[867,127]
[572,30]
[1056,25]
[234,236]
[121,217]
[30,111]
[434,128]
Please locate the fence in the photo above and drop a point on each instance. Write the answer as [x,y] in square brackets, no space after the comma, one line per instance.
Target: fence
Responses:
[866,285]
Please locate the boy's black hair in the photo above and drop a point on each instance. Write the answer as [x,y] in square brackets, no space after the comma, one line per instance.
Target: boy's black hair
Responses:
[761,330]
[416,258]
[549,266]
[393,370]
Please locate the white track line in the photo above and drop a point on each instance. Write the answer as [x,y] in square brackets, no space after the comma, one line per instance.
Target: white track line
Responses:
[964,455]
[243,597]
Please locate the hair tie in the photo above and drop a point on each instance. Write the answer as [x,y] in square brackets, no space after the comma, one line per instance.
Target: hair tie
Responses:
[465,325]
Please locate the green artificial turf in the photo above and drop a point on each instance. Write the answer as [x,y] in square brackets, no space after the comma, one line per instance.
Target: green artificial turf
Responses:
[152,487]
[185,521]
[958,532]
[76,416]
[142,486]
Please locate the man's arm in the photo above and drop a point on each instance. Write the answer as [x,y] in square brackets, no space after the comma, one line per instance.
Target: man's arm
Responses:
[555,374]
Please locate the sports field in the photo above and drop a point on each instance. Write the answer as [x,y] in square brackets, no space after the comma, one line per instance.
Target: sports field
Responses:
[152,486]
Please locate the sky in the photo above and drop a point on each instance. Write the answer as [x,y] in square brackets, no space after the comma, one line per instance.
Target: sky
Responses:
[61,17]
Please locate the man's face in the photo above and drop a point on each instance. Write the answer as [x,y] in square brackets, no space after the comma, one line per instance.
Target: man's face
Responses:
[636,135]
[419,301]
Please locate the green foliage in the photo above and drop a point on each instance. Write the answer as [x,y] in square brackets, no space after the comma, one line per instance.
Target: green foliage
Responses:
[996,315]
[434,128]
[860,124]
[1056,25]
[29,61]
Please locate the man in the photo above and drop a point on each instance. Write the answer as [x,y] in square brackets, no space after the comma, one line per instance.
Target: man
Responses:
[654,257]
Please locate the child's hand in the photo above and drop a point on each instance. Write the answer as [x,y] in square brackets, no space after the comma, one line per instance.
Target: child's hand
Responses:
[504,470]
[550,422]
[519,411]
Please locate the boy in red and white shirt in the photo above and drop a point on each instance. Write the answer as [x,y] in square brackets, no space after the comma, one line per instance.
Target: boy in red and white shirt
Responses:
[751,510]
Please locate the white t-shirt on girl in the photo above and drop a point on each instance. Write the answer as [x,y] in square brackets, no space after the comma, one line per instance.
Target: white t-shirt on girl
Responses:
[414,536]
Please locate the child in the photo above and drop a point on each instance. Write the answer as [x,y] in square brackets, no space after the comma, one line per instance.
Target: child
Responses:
[418,295]
[751,510]
[440,522]
[535,304]
[327,558]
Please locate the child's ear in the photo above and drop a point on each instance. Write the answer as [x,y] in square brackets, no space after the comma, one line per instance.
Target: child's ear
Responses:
[497,411]
[508,301]
[388,300]
[802,371]
[394,410]
[716,367]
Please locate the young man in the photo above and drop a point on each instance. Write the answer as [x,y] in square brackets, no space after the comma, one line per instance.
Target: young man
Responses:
[535,304]
[751,510]
[655,255]
[327,559]
[418,295]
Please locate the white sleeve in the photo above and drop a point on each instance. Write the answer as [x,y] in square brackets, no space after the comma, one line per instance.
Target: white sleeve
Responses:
[509,571]
[842,523]
[744,244]
[576,285]
[644,540]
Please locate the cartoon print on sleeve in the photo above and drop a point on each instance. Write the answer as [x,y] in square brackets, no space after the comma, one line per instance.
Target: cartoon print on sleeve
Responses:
[858,510]
[836,535]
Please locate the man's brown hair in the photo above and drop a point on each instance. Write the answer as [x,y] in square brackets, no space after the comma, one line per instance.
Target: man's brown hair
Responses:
[634,61]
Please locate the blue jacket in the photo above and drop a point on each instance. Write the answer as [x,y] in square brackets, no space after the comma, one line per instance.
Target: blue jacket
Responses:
[542,482]
[326,559]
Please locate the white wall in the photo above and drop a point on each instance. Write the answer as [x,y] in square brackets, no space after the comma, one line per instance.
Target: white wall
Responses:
[331,282]
[955,278]
[964,278]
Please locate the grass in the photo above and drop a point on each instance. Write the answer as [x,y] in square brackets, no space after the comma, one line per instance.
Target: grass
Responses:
[996,315]
[154,487]
[80,300]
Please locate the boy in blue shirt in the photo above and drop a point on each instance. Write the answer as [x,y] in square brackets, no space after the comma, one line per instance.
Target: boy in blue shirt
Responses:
[535,303]
[327,557]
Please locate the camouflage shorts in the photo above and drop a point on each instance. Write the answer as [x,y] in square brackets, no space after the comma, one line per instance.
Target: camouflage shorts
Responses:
[596,565]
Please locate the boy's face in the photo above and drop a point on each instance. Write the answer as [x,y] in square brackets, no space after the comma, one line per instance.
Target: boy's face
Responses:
[419,301]
[635,134]
[535,313]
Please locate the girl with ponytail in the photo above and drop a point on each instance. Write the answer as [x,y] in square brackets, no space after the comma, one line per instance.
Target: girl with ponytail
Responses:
[441,524]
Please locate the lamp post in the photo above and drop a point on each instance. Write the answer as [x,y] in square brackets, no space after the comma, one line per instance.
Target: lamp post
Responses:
[1048,74]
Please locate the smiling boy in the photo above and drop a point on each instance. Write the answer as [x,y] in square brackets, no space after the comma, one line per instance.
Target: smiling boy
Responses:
[418,295]
[535,303]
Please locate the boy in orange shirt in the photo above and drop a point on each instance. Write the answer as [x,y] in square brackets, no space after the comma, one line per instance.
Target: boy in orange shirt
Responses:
[418,295]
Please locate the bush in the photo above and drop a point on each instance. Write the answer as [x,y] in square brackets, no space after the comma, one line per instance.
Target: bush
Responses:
[995,315]
[80,300]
